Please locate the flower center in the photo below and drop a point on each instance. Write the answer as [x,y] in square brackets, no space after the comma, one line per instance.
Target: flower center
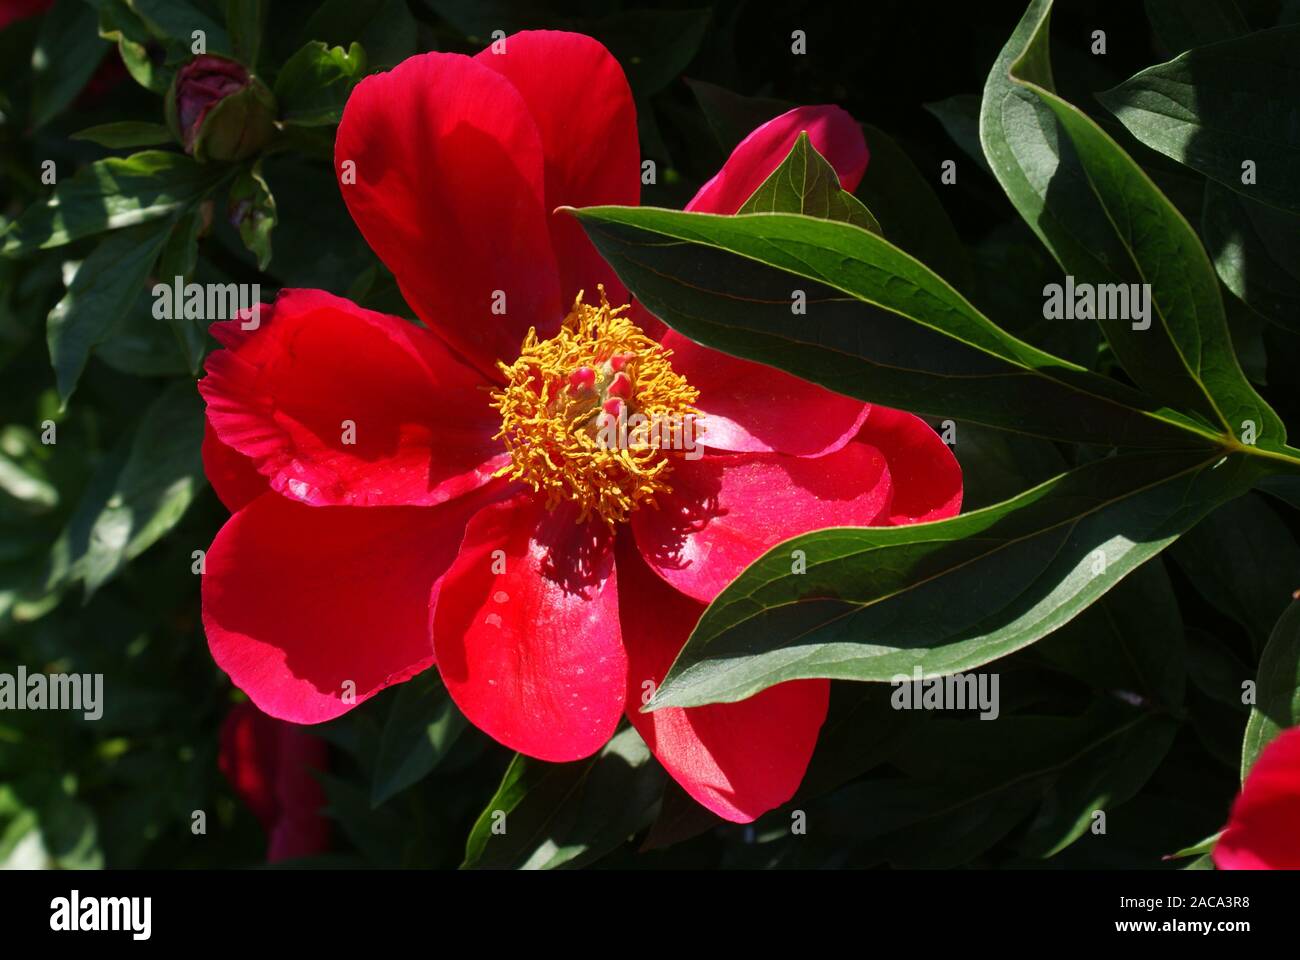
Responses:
[589,415]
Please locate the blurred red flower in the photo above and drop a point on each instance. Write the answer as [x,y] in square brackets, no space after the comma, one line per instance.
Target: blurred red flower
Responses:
[269,763]
[467,518]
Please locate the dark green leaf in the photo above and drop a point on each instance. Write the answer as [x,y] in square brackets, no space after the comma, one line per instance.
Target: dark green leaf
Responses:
[548,815]
[1184,356]
[1256,252]
[384,28]
[1182,24]
[731,116]
[174,22]
[960,116]
[120,24]
[126,133]
[141,495]
[878,324]
[947,596]
[1244,560]
[910,214]
[997,464]
[180,255]
[314,84]
[805,183]
[1216,107]
[252,211]
[1128,642]
[422,726]
[245,20]
[108,195]
[105,285]
[1277,689]
[68,51]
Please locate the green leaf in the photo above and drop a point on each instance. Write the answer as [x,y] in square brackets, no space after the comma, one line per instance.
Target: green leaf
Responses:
[960,116]
[1115,768]
[384,28]
[1206,846]
[549,815]
[946,596]
[245,21]
[1130,642]
[910,214]
[970,782]
[997,464]
[174,22]
[314,84]
[108,195]
[252,211]
[806,183]
[422,726]
[1186,356]
[120,24]
[733,117]
[1218,106]
[1182,24]
[139,497]
[1243,559]
[104,286]
[127,133]
[68,51]
[654,46]
[878,325]
[1256,252]
[1277,689]
[180,255]
[154,36]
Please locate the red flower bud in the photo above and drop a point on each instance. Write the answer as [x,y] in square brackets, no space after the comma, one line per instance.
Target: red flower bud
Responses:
[218,110]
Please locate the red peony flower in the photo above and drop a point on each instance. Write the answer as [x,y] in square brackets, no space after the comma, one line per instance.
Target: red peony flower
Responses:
[1263,832]
[269,763]
[404,496]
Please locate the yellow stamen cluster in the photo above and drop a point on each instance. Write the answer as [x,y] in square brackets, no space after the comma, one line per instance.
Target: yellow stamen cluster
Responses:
[555,412]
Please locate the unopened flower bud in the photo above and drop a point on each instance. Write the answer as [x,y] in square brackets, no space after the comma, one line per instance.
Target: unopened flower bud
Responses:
[218,110]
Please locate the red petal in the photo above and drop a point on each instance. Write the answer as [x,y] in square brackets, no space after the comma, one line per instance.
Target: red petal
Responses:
[300,602]
[282,395]
[726,511]
[582,106]
[449,193]
[834,134]
[233,476]
[751,408]
[926,476]
[527,639]
[1263,832]
[738,759]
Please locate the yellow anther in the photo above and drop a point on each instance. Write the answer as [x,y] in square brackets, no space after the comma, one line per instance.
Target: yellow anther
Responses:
[558,420]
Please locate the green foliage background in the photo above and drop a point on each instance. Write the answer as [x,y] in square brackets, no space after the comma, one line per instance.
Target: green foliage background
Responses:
[1123,693]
